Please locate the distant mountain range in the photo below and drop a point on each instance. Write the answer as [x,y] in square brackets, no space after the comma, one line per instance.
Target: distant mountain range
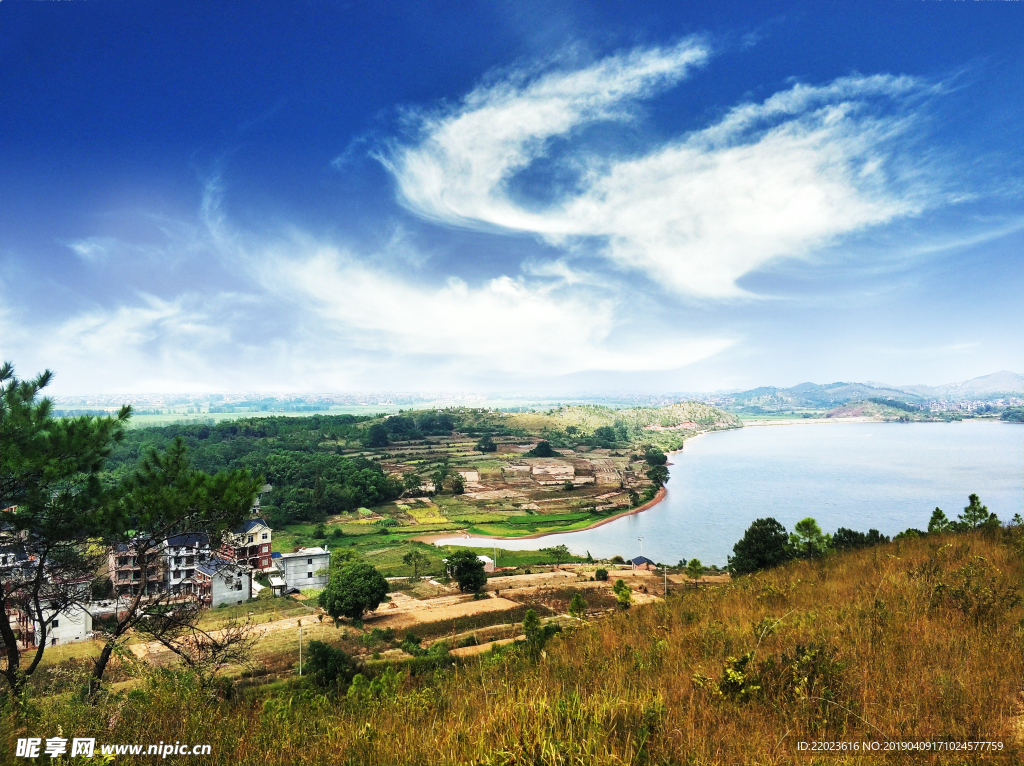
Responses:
[1004,382]
[831,394]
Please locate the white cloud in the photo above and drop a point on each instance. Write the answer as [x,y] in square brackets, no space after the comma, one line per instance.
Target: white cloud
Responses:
[508,326]
[92,249]
[310,315]
[152,345]
[459,171]
[768,180]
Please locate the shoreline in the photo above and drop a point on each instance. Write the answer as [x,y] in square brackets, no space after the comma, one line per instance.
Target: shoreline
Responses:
[432,539]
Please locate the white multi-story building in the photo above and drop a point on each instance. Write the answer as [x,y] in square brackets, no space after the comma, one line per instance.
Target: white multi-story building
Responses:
[182,554]
[220,581]
[70,624]
[306,568]
[74,623]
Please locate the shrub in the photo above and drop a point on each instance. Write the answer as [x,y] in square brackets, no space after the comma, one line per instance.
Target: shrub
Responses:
[328,665]
[601,574]
[623,593]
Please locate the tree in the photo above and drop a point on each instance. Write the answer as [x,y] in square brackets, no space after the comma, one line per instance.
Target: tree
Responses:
[543,449]
[533,631]
[458,484]
[764,545]
[537,634]
[54,505]
[694,570]
[601,574]
[486,444]
[807,539]
[938,523]
[568,486]
[467,570]
[577,606]
[205,652]
[605,436]
[975,516]
[164,497]
[848,539]
[560,552]
[439,475]
[352,590]
[415,559]
[655,456]
[658,474]
[412,481]
[376,436]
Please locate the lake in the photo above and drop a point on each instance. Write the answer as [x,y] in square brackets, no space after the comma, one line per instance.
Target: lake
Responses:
[886,476]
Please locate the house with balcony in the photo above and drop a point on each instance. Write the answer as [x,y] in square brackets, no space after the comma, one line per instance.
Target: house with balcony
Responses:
[132,572]
[181,555]
[249,545]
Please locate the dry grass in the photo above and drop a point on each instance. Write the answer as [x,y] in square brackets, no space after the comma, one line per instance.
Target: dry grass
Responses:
[919,640]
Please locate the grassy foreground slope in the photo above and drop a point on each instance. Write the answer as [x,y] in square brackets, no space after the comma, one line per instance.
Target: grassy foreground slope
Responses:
[916,640]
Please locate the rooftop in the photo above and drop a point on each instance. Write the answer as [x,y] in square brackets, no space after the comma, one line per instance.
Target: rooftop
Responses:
[303,552]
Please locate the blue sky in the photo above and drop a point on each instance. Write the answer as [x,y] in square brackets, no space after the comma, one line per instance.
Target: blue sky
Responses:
[543,197]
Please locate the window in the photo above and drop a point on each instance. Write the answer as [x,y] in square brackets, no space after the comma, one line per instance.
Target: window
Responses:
[264,537]
[56,623]
[250,538]
[309,561]
[309,575]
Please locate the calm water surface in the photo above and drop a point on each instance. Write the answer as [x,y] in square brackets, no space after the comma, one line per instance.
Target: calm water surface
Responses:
[886,476]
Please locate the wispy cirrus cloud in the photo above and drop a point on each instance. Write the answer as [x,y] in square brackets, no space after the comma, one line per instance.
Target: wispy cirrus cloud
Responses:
[767,180]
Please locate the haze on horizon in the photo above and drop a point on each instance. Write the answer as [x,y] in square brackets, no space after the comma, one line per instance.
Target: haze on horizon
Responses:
[514,197]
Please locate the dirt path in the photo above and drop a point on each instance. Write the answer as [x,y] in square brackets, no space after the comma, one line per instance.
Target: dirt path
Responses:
[405,611]
[469,651]
[142,651]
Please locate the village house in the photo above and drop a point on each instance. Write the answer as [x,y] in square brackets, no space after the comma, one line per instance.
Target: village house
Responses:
[73,623]
[181,555]
[249,545]
[220,581]
[125,568]
[642,562]
[305,568]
